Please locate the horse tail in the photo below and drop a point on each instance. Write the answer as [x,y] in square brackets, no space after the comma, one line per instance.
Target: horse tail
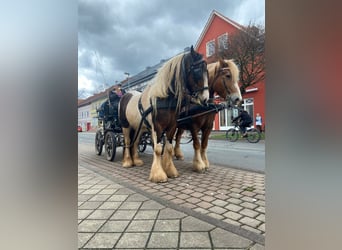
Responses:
[122,109]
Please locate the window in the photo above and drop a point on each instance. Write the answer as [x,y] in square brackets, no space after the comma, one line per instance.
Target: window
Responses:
[210,48]
[223,42]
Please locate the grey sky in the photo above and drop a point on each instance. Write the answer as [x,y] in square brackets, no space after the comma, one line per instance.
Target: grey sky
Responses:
[118,36]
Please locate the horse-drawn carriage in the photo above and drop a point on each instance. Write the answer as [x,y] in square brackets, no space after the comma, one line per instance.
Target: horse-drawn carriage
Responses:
[156,113]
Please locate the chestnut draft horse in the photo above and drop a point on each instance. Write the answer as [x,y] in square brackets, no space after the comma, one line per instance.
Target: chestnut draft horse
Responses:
[223,79]
[181,79]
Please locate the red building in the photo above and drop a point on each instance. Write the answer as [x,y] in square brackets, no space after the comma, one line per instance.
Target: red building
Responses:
[214,35]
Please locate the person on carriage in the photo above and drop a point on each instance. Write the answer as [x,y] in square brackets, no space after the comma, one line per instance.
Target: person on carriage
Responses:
[245,120]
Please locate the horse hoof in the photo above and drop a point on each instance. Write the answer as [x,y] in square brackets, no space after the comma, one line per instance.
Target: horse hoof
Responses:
[127,165]
[138,163]
[158,180]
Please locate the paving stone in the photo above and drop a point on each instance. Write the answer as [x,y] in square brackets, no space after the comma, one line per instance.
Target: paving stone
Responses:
[216,216]
[223,238]
[207,198]
[151,205]
[130,205]
[146,214]
[101,214]
[132,240]
[84,197]
[163,240]
[167,225]
[90,205]
[234,201]
[110,205]
[108,191]
[252,229]
[220,203]
[194,240]
[82,214]
[124,191]
[217,210]
[140,226]
[232,215]
[99,197]
[262,227]
[118,197]
[84,186]
[115,226]
[192,224]
[123,215]
[90,225]
[233,207]
[248,205]
[193,200]
[100,186]
[103,240]
[249,212]
[261,217]
[260,197]
[204,204]
[83,238]
[137,197]
[233,222]
[91,191]
[201,210]
[260,209]
[250,222]
[169,213]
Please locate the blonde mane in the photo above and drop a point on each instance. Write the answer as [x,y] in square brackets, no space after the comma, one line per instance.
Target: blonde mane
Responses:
[170,72]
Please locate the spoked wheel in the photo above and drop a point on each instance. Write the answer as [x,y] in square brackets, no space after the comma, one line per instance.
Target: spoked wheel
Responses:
[98,143]
[142,146]
[232,135]
[253,135]
[110,146]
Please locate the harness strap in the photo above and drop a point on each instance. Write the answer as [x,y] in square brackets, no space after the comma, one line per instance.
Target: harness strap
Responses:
[144,114]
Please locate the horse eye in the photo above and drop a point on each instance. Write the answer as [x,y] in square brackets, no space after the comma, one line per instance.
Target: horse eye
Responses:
[228,76]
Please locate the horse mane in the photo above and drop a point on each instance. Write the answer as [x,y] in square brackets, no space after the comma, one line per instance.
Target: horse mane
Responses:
[168,76]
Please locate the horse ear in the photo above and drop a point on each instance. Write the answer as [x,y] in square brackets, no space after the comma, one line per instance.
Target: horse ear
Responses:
[193,52]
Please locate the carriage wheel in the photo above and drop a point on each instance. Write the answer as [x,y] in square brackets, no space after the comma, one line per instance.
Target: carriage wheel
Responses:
[253,135]
[142,146]
[232,135]
[110,146]
[98,143]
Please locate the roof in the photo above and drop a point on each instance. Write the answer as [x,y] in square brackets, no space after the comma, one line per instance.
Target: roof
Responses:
[144,75]
[210,20]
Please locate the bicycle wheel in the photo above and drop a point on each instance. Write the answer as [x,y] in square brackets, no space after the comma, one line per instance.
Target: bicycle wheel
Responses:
[232,135]
[253,135]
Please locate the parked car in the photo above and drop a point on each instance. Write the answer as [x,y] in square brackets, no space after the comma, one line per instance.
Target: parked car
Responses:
[79,129]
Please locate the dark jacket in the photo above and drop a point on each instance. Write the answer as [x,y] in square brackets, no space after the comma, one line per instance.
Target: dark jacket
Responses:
[244,117]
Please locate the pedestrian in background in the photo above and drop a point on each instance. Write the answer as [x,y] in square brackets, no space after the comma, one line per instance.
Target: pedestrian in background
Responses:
[258,122]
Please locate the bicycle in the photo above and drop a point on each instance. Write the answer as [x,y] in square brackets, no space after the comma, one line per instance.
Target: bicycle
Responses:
[253,135]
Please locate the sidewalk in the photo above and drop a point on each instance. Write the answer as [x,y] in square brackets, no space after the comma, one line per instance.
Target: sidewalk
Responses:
[223,208]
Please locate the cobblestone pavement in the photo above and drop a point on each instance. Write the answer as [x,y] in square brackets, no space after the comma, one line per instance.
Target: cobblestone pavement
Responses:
[118,207]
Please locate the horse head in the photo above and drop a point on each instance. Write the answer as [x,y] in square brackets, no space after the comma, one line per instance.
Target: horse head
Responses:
[196,74]
[224,78]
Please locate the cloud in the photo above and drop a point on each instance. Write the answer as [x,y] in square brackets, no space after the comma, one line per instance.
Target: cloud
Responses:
[127,36]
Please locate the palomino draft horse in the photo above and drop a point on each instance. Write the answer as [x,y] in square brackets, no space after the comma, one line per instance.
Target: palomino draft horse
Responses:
[182,79]
[223,79]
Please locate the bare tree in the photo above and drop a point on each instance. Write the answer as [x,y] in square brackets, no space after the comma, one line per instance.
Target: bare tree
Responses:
[247,48]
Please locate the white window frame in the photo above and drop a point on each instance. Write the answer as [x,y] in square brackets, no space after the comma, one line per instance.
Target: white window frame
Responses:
[210,48]
[223,42]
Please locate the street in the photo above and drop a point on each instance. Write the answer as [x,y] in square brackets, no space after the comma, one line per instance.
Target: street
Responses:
[239,154]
